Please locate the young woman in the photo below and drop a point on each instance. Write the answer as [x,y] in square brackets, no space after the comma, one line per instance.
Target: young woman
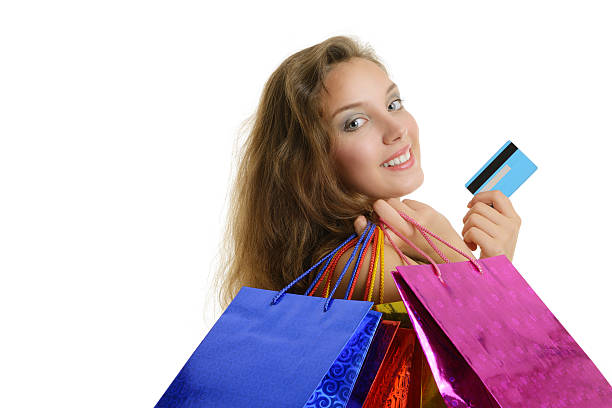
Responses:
[330,147]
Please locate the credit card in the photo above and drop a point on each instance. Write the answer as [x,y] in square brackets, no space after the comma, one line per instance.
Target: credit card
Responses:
[505,171]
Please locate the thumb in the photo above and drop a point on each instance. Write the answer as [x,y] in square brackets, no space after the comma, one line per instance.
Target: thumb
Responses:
[360,224]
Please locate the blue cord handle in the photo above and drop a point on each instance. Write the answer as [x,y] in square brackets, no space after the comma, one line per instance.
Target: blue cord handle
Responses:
[326,265]
[329,299]
[282,292]
[279,295]
[316,279]
[361,251]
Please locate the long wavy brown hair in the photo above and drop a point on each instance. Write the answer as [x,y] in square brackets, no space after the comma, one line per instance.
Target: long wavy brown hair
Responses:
[287,206]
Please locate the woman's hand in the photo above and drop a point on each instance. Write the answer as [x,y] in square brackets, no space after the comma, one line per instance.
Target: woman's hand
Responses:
[427,217]
[495,230]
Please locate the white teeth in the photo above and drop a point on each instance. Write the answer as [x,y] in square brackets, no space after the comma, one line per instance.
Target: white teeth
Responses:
[398,160]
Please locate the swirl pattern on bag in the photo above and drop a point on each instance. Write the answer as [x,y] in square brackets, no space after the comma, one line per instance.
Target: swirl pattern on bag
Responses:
[335,388]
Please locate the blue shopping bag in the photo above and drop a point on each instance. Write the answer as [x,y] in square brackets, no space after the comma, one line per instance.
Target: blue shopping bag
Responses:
[278,349]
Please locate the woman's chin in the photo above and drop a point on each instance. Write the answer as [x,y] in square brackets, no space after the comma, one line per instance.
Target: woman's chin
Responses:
[412,185]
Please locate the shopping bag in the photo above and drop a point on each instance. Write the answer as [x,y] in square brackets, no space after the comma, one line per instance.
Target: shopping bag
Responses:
[423,391]
[370,364]
[386,377]
[404,379]
[393,384]
[489,339]
[381,343]
[277,349]
[338,383]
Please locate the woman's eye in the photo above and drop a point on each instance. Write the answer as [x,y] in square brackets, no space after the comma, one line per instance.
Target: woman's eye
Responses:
[348,128]
[401,101]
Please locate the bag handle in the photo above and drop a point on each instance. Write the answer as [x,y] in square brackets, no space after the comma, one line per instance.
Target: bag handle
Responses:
[279,295]
[377,245]
[329,272]
[423,231]
[324,273]
[368,230]
[358,263]
[378,254]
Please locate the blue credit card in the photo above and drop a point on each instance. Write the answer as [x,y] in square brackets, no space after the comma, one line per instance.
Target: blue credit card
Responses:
[505,171]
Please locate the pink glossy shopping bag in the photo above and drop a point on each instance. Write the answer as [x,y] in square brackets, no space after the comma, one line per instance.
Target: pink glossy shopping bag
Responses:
[489,339]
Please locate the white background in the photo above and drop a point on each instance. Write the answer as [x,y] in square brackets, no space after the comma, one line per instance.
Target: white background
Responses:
[117,121]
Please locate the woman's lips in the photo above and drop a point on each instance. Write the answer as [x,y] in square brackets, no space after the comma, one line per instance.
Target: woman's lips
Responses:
[397,154]
[406,165]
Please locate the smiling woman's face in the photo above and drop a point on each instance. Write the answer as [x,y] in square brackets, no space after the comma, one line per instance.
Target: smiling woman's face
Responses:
[373,132]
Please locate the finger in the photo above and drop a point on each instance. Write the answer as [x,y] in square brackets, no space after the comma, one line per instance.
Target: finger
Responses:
[400,206]
[390,215]
[499,200]
[415,205]
[486,211]
[408,207]
[360,224]
[482,223]
[475,236]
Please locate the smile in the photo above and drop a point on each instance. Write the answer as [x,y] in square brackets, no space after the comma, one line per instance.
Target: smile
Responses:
[401,162]
[398,160]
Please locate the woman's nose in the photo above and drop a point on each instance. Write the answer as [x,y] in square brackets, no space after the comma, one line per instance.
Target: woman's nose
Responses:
[395,131]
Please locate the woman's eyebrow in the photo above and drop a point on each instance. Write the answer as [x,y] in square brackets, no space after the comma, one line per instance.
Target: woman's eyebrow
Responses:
[352,105]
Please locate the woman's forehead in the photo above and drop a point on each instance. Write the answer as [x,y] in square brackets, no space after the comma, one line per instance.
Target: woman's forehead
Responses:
[354,81]
[348,75]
